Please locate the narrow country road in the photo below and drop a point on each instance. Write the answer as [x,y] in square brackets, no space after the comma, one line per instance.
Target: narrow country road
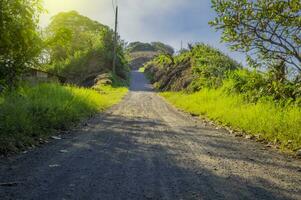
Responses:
[145,149]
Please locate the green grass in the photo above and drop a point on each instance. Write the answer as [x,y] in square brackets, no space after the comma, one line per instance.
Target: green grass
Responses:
[30,113]
[142,69]
[272,122]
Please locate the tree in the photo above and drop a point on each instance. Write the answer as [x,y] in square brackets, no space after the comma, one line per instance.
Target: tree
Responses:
[70,32]
[20,43]
[78,46]
[153,46]
[140,46]
[164,48]
[267,30]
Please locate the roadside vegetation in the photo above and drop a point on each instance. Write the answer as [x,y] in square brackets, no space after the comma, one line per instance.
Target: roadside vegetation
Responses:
[204,81]
[79,48]
[30,114]
[74,48]
[263,100]
[264,119]
[141,69]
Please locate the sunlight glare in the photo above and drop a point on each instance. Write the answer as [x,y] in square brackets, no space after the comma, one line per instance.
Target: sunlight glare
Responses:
[54,6]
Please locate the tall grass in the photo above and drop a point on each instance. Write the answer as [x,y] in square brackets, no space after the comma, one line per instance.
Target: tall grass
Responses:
[30,113]
[265,118]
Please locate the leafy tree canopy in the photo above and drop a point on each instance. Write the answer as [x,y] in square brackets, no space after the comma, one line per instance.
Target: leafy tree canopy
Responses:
[159,46]
[267,30]
[74,21]
[70,32]
[20,43]
[153,46]
[78,47]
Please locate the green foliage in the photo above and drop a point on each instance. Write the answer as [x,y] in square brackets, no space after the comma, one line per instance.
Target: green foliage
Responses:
[18,32]
[139,46]
[268,29]
[78,47]
[262,104]
[254,86]
[69,33]
[161,61]
[119,82]
[265,119]
[163,48]
[209,67]
[153,46]
[246,82]
[30,113]
[157,67]
[142,69]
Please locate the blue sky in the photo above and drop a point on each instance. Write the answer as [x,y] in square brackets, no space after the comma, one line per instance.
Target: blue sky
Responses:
[169,21]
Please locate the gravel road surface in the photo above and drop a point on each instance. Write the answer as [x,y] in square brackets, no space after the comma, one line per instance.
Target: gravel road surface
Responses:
[143,148]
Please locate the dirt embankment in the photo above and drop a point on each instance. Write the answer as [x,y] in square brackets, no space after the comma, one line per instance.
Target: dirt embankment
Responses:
[201,66]
[170,76]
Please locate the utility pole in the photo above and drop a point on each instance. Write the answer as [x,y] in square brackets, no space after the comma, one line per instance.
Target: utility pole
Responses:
[115,41]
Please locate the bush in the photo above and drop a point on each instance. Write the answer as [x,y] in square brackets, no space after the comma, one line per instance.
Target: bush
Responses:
[254,85]
[210,67]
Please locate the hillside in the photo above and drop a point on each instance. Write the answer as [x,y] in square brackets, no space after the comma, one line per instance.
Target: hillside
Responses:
[140,53]
[206,82]
[139,58]
[153,46]
[191,70]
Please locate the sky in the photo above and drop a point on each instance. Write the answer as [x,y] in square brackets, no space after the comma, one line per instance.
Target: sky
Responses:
[168,21]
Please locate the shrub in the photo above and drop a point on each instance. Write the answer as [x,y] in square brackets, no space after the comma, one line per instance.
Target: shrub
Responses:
[254,85]
[210,67]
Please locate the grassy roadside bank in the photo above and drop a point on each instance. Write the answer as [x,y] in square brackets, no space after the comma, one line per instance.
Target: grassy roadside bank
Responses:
[31,113]
[278,124]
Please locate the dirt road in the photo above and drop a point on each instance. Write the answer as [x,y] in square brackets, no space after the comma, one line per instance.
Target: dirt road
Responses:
[145,149]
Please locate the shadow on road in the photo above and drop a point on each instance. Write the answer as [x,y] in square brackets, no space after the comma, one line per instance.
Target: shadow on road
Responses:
[141,161]
[160,155]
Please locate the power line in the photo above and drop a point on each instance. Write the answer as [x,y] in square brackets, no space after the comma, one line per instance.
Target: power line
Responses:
[113,6]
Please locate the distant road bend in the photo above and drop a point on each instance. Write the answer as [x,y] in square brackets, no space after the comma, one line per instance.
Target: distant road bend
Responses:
[143,148]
